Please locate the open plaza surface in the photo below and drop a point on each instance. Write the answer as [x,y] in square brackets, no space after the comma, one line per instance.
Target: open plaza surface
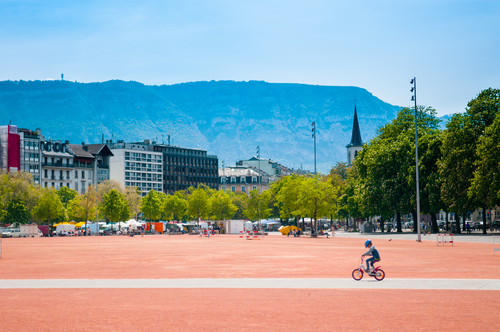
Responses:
[224,283]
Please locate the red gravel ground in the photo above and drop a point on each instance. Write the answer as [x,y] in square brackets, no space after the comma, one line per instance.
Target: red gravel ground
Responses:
[247,310]
[242,309]
[226,256]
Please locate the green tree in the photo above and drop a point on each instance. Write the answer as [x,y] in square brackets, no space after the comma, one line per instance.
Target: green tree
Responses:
[429,180]
[152,206]
[240,200]
[288,197]
[456,165]
[66,194]
[199,203]
[340,170]
[114,206]
[222,206]
[49,206]
[175,207]
[482,112]
[485,184]
[83,207]
[16,213]
[134,200]
[315,199]
[258,205]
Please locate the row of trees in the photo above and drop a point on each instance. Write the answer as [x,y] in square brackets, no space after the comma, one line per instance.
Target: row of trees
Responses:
[459,167]
[291,198]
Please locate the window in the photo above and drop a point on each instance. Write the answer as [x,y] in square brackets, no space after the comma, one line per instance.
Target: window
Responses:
[76,177]
[83,174]
[90,175]
[242,179]
[254,188]
[254,179]
[83,187]
[243,189]
[233,180]
[45,175]
[233,189]
[76,186]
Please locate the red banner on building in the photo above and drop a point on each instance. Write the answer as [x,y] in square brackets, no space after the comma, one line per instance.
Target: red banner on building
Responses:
[14,148]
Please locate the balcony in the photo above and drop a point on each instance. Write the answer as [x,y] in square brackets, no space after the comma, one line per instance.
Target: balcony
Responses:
[57,165]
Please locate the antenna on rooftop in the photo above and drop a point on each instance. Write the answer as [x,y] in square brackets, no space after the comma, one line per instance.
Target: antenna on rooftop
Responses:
[169,137]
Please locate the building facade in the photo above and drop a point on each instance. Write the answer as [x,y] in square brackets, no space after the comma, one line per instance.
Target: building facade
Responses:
[243,179]
[10,148]
[185,167]
[133,165]
[30,152]
[102,155]
[272,168]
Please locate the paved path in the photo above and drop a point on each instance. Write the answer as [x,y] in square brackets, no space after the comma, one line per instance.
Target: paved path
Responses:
[344,283]
[475,237]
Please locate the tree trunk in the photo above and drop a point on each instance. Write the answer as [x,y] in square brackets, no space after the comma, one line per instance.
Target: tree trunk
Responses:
[447,221]
[484,220]
[434,225]
[457,224]
[464,228]
[414,214]
[381,224]
[398,222]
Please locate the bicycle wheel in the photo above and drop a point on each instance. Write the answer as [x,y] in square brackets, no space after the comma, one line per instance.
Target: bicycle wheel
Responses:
[357,274]
[381,276]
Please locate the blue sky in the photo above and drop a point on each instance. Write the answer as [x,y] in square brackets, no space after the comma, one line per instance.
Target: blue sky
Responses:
[451,46]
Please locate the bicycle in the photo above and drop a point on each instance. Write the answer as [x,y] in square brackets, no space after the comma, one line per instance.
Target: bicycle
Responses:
[358,273]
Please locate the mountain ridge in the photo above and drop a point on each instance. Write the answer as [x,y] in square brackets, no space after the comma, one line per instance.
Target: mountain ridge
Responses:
[227,118]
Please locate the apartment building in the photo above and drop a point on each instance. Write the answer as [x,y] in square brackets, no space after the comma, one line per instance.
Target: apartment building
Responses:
[185,167]
[133,165]
[243,179]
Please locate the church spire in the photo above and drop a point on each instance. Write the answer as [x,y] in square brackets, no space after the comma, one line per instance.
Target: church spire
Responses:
[356,133]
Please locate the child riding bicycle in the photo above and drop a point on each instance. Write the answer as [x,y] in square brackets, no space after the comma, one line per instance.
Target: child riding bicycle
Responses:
[372,251]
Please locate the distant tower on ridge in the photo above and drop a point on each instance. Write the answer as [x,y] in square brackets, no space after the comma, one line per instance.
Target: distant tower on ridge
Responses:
[356,144]
[62,77]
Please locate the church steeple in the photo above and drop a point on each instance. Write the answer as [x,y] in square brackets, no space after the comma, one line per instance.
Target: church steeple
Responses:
[356,133]
[356,144]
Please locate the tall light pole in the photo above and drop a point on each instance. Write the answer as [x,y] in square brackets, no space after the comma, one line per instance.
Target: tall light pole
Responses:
[260,181]
[96,198]
[314,136]
[414,98]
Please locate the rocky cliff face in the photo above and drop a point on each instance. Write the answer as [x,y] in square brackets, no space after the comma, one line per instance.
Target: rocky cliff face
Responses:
[227,118]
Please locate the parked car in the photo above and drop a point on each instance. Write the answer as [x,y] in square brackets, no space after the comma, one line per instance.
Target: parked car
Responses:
[14,232]
[495,225]
[479,226]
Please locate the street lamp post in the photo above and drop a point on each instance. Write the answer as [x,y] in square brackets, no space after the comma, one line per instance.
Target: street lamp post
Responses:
[314,136]
[260,182]
[414,98]
[96,198]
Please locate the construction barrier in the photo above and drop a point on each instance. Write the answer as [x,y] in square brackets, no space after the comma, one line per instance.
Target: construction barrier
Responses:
[209,232]
[442,238]
[494,248]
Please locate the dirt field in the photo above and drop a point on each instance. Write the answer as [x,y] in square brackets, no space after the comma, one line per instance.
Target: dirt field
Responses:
[185,256]
[247,310]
